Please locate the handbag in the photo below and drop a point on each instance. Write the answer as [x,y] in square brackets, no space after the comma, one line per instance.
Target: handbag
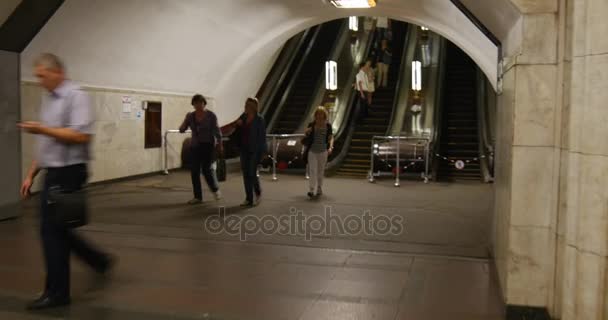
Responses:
[68,208]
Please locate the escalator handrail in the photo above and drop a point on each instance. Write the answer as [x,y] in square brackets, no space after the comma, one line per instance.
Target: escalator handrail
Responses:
[439,97]
[351,114]
[482,132]
[266,101]
[319,86]
[292,81]
[402,66]
[352,97]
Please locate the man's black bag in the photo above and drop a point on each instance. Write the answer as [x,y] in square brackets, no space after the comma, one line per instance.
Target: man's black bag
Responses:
[68,208]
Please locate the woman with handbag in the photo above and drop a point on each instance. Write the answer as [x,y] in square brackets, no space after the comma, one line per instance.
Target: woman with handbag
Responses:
[206,136]
[251,139]
[319,144]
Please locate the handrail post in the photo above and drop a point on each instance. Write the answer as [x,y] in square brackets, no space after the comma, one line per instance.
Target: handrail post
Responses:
[398,166]
[371,168]
[166,171]
[274,158]
[426,161]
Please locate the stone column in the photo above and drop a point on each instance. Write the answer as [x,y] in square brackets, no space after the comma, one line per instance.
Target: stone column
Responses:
[10,137]
[582,234]
[528,157]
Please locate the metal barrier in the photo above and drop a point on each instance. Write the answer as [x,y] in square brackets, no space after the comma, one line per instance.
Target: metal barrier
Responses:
[411,153]
[166,147]
[275,148]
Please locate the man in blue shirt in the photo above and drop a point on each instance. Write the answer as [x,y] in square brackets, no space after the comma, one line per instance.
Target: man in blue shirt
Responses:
[64,134]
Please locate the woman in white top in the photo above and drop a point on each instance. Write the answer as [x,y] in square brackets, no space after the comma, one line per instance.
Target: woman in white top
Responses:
[371,78]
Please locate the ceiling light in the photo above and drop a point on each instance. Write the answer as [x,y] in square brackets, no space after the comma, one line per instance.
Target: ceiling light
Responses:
[353,23]
[353,3]
[331,75]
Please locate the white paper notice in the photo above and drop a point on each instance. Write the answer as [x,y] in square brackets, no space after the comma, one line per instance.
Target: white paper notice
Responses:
[126,104]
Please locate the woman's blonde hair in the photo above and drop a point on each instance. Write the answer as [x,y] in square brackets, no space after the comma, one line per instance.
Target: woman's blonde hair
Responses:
[321,110]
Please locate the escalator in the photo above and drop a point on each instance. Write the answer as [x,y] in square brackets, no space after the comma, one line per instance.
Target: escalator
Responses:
[357,160]
[297,100]
[459,138]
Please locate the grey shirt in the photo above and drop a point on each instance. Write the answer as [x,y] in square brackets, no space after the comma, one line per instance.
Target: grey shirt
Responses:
[319,142]
[205,131]
[66,107]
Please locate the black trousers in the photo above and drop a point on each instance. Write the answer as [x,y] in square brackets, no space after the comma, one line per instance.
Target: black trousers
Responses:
[58,241]
[202,159]
[363,107]
[249,166]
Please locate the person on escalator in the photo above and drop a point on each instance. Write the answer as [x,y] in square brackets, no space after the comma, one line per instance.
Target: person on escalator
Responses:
[362,87]
[319,143]
[385,58]
[371,78]
[206,137]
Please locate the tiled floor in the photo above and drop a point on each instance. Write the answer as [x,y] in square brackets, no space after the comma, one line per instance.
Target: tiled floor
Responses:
[170,267]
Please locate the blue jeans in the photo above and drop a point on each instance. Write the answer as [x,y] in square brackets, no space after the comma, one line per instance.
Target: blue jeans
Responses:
[249,165]
[201,160]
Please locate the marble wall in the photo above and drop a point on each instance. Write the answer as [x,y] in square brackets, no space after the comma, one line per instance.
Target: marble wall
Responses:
[528,162]
[118,149]
[582,233]
[10,162]
[551,215]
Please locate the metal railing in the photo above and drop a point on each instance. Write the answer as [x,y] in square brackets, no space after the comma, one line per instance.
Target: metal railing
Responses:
[412,154]
[275,148]
[166,147]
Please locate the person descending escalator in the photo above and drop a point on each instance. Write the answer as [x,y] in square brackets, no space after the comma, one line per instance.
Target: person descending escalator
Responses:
[363,87]
[385,57]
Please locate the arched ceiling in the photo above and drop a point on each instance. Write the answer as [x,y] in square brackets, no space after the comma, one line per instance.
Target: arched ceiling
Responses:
[222,48]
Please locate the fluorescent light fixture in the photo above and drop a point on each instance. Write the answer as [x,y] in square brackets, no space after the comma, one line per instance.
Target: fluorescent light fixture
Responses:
[416,75]
[353,3]
[331,75]
[353,23]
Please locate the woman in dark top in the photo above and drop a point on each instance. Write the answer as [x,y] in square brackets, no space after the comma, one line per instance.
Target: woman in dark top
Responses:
[205,136]
[251,138]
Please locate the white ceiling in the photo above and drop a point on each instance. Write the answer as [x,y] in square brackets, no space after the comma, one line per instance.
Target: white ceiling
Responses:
[223,49]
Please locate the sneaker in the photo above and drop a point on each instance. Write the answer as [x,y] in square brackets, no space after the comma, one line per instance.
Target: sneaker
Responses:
[217,195]
[195,201]
[246,203]
[256,202]
[310,194]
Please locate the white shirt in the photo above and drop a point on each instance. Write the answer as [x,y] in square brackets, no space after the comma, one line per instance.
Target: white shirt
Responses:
[362,81]
[382,22]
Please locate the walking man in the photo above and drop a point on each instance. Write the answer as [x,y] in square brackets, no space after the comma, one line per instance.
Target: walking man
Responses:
[64,134]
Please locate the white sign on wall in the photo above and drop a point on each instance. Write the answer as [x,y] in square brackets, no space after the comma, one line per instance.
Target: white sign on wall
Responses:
[126,104]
